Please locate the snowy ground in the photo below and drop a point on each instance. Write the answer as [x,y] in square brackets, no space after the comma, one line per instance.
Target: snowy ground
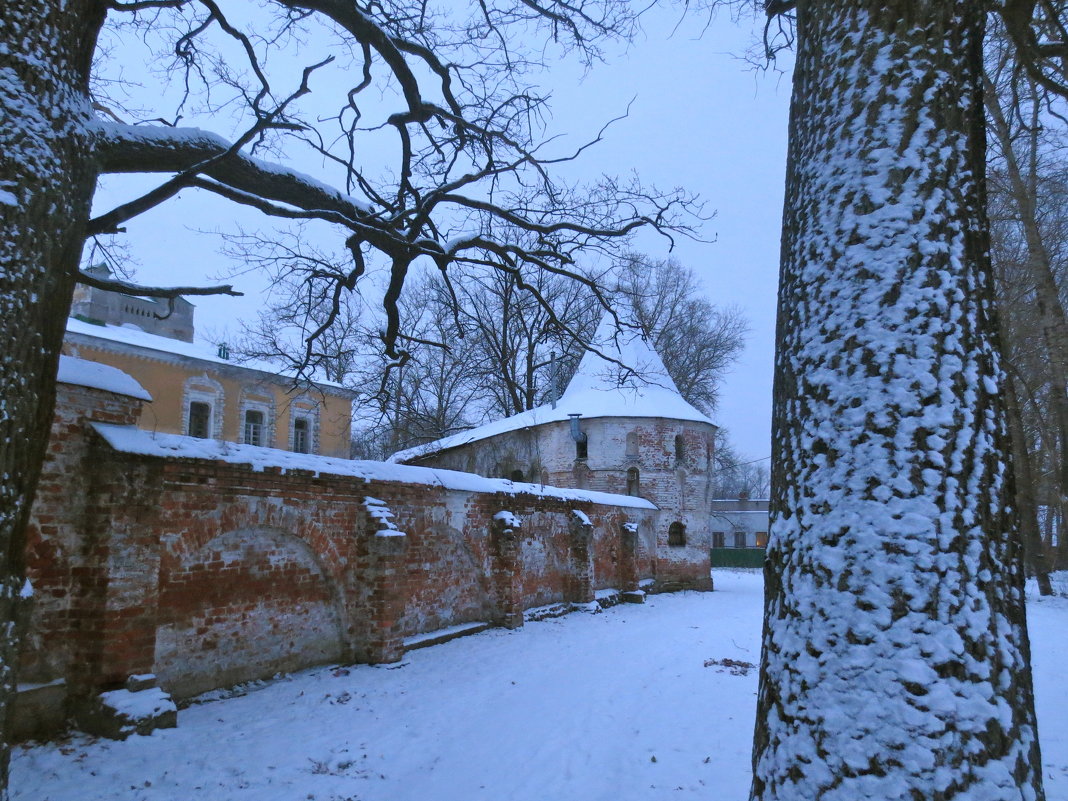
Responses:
[613,706]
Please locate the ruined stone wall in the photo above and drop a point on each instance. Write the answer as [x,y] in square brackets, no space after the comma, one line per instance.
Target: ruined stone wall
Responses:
[676,476]
[208,573]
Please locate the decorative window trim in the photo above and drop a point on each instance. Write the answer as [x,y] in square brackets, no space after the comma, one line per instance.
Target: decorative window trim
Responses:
[304,410]
[204,389]
[250,403]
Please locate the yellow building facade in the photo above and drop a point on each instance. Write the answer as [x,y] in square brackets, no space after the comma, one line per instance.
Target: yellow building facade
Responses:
[197,391]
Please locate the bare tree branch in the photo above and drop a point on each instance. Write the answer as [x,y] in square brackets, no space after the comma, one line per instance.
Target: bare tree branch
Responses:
[129,288]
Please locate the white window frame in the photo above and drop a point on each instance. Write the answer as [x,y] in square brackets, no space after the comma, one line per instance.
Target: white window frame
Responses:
[311,415]
[258,429]
[264,407]
[203,389]
[206,401]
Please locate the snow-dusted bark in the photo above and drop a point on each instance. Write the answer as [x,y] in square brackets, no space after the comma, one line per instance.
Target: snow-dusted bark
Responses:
[895,660]
[46,181]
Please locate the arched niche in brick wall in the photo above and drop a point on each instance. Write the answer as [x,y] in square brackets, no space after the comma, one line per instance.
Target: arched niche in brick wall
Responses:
[448,579]
[246,604]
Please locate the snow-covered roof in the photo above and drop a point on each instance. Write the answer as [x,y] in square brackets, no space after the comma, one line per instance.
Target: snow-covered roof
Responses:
[84,373]
[129,439]
[129,334]
[599,388]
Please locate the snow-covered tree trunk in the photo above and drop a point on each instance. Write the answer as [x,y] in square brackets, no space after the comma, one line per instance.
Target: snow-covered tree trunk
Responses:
[46,182]
[895,661]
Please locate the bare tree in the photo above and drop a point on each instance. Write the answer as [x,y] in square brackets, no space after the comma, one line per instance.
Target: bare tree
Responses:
[432,395]
[735,473]
[470,179]
[516,354]
[698,340]
[521,352]
[1030,252]
[303,329]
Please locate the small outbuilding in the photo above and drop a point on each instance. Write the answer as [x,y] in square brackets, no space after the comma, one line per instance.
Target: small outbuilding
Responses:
[621,426]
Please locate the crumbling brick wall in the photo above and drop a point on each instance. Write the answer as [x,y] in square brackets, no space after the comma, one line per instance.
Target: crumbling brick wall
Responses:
[62,564]
[209,573]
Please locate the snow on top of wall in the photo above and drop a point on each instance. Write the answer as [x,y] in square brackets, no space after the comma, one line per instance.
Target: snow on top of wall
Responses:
[129,439]
[382,515]
[128,334]
[599,388]
[581,517]
[508,519]
[95,375]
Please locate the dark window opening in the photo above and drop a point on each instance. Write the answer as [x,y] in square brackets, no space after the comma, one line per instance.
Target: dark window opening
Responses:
[581,449]
[739,539]
[516,475]
[199,419]
[253,427]
[680,448]
[632,481]
[301,438]
[719,539]
[676,534]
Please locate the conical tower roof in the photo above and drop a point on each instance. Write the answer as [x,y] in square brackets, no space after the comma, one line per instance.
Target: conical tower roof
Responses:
[621,359]
[623,377]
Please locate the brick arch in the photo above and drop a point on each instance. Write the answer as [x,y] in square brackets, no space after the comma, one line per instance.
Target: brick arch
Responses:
[447,578]
[193,532]
[246,604]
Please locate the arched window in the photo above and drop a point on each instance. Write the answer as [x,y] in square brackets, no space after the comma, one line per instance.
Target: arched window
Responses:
[680,448]
[632,445]
[516,475]
[676,534]
[581,449]
[632,481]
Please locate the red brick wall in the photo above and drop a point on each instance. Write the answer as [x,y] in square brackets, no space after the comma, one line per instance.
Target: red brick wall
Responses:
[249,602]
[210,573]
[60,559]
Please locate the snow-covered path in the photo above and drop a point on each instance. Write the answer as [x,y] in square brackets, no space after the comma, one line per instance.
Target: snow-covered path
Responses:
[613,706]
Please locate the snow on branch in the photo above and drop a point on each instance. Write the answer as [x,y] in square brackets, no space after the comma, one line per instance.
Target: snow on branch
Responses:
[153,149]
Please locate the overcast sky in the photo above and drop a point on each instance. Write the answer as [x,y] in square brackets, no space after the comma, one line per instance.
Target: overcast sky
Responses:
[701,118]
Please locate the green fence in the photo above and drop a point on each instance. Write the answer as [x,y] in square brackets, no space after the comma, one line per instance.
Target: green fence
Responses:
[737,557]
